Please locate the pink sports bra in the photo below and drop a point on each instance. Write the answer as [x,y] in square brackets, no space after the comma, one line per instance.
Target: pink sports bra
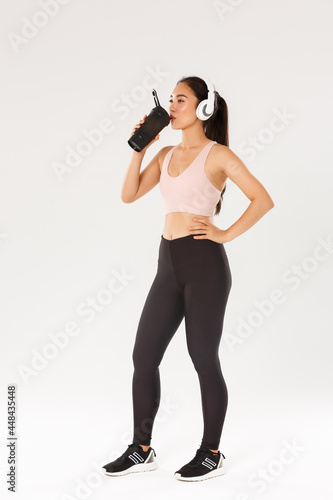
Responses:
[191,191]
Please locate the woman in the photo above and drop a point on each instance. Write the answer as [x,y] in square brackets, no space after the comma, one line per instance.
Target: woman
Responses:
[193,278]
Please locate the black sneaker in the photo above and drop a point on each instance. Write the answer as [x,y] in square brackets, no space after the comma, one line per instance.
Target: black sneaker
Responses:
[204,465]
[134,459]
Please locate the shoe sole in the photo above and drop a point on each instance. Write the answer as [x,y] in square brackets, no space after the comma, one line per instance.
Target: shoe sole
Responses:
[209,475]
[134,468]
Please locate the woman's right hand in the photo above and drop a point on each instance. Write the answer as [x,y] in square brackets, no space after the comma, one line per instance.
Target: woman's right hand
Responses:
[138,125]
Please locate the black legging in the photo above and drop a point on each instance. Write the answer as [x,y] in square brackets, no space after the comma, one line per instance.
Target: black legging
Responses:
[193,279]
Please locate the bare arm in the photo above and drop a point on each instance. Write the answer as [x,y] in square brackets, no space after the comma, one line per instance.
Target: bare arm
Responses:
[136,183]
[261,202]
[131,179]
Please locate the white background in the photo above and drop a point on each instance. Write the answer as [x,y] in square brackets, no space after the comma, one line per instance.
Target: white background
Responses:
[63,237]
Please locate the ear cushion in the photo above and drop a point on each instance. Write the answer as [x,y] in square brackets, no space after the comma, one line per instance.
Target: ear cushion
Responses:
[201,110]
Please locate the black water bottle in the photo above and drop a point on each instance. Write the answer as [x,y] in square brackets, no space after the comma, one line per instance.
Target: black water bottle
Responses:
[157,119]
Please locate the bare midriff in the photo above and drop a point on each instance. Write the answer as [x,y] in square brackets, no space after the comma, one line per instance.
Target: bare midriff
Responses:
[177,224]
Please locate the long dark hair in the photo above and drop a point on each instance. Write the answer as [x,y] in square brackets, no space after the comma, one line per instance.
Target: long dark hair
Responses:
[216,127]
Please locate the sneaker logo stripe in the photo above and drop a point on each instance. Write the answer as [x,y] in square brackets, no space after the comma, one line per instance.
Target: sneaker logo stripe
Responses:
[208,463]
[136,458]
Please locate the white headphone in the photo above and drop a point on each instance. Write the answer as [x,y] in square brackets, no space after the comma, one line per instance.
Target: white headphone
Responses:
[205,108]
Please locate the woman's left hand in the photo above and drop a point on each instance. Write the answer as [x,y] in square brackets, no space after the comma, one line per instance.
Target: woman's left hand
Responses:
[206,230]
